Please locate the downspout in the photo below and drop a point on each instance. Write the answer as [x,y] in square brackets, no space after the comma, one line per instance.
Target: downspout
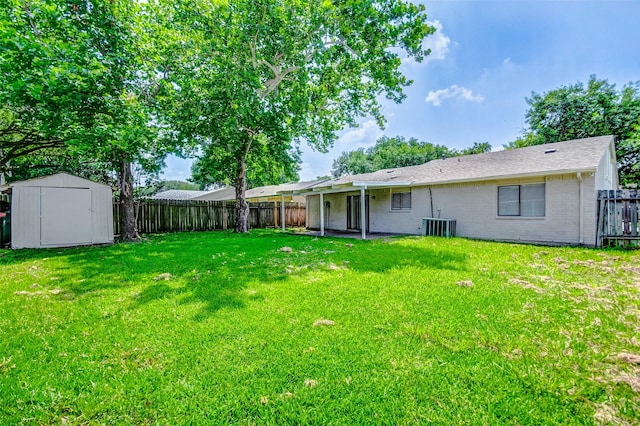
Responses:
[581,220]
[321,214]
[363,213]
[431,198]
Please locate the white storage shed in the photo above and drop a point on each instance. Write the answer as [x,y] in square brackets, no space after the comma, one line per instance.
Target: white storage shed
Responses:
[60,210]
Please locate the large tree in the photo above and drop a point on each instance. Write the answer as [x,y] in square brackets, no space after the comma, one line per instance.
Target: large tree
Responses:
[78,78]
[265,166]
[274,73]
[390,152]
[580,111]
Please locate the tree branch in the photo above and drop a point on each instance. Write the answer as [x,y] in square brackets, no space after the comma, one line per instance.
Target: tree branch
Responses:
[341,42]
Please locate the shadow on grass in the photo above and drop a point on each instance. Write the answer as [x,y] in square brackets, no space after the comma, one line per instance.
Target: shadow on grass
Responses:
[216,268]
[382,256]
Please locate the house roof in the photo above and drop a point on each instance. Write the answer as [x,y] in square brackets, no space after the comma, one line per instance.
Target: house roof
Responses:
[275,190]
[221,194]
[229,192]
[177,194]
[539,160]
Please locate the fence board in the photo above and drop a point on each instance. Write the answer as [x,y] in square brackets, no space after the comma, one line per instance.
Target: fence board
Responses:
[619,218]
[157,216]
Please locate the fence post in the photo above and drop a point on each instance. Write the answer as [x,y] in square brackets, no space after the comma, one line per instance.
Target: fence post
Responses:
[224,215]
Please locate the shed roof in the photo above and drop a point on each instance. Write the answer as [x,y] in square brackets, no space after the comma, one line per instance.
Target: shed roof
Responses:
[561,157]
[61,179]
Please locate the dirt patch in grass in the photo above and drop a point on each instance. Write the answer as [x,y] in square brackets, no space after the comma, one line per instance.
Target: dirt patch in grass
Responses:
[629,358]
[526,284]
[607,415]
[323,322]
[166,276]
[54,292]
[631,379]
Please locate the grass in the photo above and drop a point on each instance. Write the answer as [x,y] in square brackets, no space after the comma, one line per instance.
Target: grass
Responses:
[218,328]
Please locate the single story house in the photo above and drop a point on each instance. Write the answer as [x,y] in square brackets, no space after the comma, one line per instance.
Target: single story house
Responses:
[60,210]
[542,194]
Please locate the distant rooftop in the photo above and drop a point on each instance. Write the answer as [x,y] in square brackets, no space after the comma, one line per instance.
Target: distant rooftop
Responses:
[177,194]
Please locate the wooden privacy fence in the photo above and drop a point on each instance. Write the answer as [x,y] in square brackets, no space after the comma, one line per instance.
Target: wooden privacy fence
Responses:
[619,218]
[155,216]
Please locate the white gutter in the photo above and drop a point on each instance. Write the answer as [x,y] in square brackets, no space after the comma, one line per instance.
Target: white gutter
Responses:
[353,186]
[581,220]
[504,177]
[383,184]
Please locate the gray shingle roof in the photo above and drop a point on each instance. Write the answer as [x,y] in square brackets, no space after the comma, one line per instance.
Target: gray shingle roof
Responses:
[273,190]
[221,194]
[570,156]
[229,193]
[177,194]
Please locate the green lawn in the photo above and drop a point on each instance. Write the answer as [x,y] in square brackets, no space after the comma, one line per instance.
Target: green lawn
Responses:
[218,328]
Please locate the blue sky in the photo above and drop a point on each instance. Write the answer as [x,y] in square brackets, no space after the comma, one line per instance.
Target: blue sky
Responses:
[487,57]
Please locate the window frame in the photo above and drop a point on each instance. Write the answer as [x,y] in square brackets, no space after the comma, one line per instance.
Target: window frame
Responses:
[403,206]
[520,201]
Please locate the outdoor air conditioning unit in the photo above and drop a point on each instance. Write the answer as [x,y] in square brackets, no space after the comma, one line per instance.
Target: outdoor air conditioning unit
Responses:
[438,227]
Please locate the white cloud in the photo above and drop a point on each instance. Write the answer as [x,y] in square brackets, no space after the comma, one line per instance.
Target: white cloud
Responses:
[437,42]
[456,92]
[316,164]
[177,168]
[364,135]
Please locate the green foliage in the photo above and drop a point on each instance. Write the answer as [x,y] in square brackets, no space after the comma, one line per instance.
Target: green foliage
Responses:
[82,77]
[391,152]
[50,161]
[260,73]
[202,328]
[178,184]
[266,165]
[579,111]
[477,148]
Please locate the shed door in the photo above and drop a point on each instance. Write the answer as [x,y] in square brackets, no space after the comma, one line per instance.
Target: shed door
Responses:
[65,216]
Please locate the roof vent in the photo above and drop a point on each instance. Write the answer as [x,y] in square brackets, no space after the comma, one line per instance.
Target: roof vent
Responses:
[444,156]
[390,171]
[549,151]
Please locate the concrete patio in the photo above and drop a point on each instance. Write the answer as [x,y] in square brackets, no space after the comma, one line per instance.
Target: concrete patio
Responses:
[357,235]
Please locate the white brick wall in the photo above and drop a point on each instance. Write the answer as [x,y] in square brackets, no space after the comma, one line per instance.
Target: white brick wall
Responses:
[474,207]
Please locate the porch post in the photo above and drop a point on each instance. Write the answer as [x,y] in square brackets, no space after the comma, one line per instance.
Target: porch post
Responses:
[363,214]
[282,212]
[321,214]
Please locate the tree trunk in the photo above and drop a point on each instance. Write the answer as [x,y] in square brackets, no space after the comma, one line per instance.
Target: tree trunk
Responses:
[128,230]
[242,207]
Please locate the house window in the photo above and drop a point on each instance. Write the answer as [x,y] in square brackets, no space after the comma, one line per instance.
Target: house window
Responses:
[521,200]
[401,201]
